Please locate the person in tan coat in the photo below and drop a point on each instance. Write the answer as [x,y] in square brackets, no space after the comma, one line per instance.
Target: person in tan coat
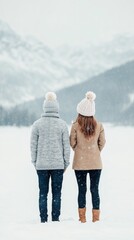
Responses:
[87,139]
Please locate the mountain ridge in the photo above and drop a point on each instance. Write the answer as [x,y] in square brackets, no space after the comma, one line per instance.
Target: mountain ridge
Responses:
[30,68]
[114,102]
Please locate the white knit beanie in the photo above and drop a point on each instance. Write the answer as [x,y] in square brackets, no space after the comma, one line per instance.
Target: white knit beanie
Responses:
[87,106]
[50,103]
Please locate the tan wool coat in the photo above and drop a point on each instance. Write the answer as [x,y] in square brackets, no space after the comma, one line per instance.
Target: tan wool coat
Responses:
[87,150]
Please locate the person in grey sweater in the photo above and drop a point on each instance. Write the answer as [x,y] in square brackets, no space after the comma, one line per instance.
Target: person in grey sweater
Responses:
[50,154]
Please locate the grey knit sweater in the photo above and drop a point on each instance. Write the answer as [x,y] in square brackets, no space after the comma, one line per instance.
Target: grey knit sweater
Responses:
[50,147]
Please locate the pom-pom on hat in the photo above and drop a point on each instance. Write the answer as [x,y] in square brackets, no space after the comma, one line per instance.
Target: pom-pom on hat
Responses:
[51,96]
[50,103]
[87,106]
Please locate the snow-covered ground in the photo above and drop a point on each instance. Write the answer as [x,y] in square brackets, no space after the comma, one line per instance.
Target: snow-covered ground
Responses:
[19,217]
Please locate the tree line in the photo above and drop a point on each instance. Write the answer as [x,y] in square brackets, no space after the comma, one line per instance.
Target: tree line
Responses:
[16,117]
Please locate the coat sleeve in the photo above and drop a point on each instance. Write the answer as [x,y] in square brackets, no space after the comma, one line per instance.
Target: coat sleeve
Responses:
[101,139]
[66,147]
[34,144]
[73,137]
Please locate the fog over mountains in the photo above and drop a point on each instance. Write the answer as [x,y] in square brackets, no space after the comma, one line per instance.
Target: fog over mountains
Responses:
[28,68]
[114,102]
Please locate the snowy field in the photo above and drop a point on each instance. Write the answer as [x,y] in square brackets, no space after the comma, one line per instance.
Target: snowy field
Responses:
[19,216]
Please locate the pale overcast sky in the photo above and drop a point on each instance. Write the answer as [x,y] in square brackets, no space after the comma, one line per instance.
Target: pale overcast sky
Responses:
[75,22]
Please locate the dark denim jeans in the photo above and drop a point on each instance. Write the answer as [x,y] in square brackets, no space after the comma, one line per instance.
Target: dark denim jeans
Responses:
[56,185]
[81,177]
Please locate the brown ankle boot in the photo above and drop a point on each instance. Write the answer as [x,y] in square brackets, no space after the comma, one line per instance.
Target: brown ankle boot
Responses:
[82,214]
[95,215]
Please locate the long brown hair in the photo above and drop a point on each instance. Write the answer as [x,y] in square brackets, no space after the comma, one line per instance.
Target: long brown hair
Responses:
[87,125]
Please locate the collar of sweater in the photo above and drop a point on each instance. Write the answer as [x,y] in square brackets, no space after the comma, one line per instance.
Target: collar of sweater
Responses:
[50,114]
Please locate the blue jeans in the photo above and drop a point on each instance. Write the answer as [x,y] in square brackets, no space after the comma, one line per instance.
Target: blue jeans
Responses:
[56,185]
[81,176]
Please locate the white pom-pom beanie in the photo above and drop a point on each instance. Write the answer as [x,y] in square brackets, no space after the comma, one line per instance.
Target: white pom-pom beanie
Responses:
[87,106]
[50,103]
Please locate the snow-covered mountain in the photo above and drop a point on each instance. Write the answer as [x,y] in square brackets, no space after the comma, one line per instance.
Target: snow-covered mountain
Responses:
[29,68]
[92,60]
[114,103]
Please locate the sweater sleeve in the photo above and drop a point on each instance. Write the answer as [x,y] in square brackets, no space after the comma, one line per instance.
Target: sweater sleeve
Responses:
[66,147]
[101,139]
[73,137]
[34,144]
